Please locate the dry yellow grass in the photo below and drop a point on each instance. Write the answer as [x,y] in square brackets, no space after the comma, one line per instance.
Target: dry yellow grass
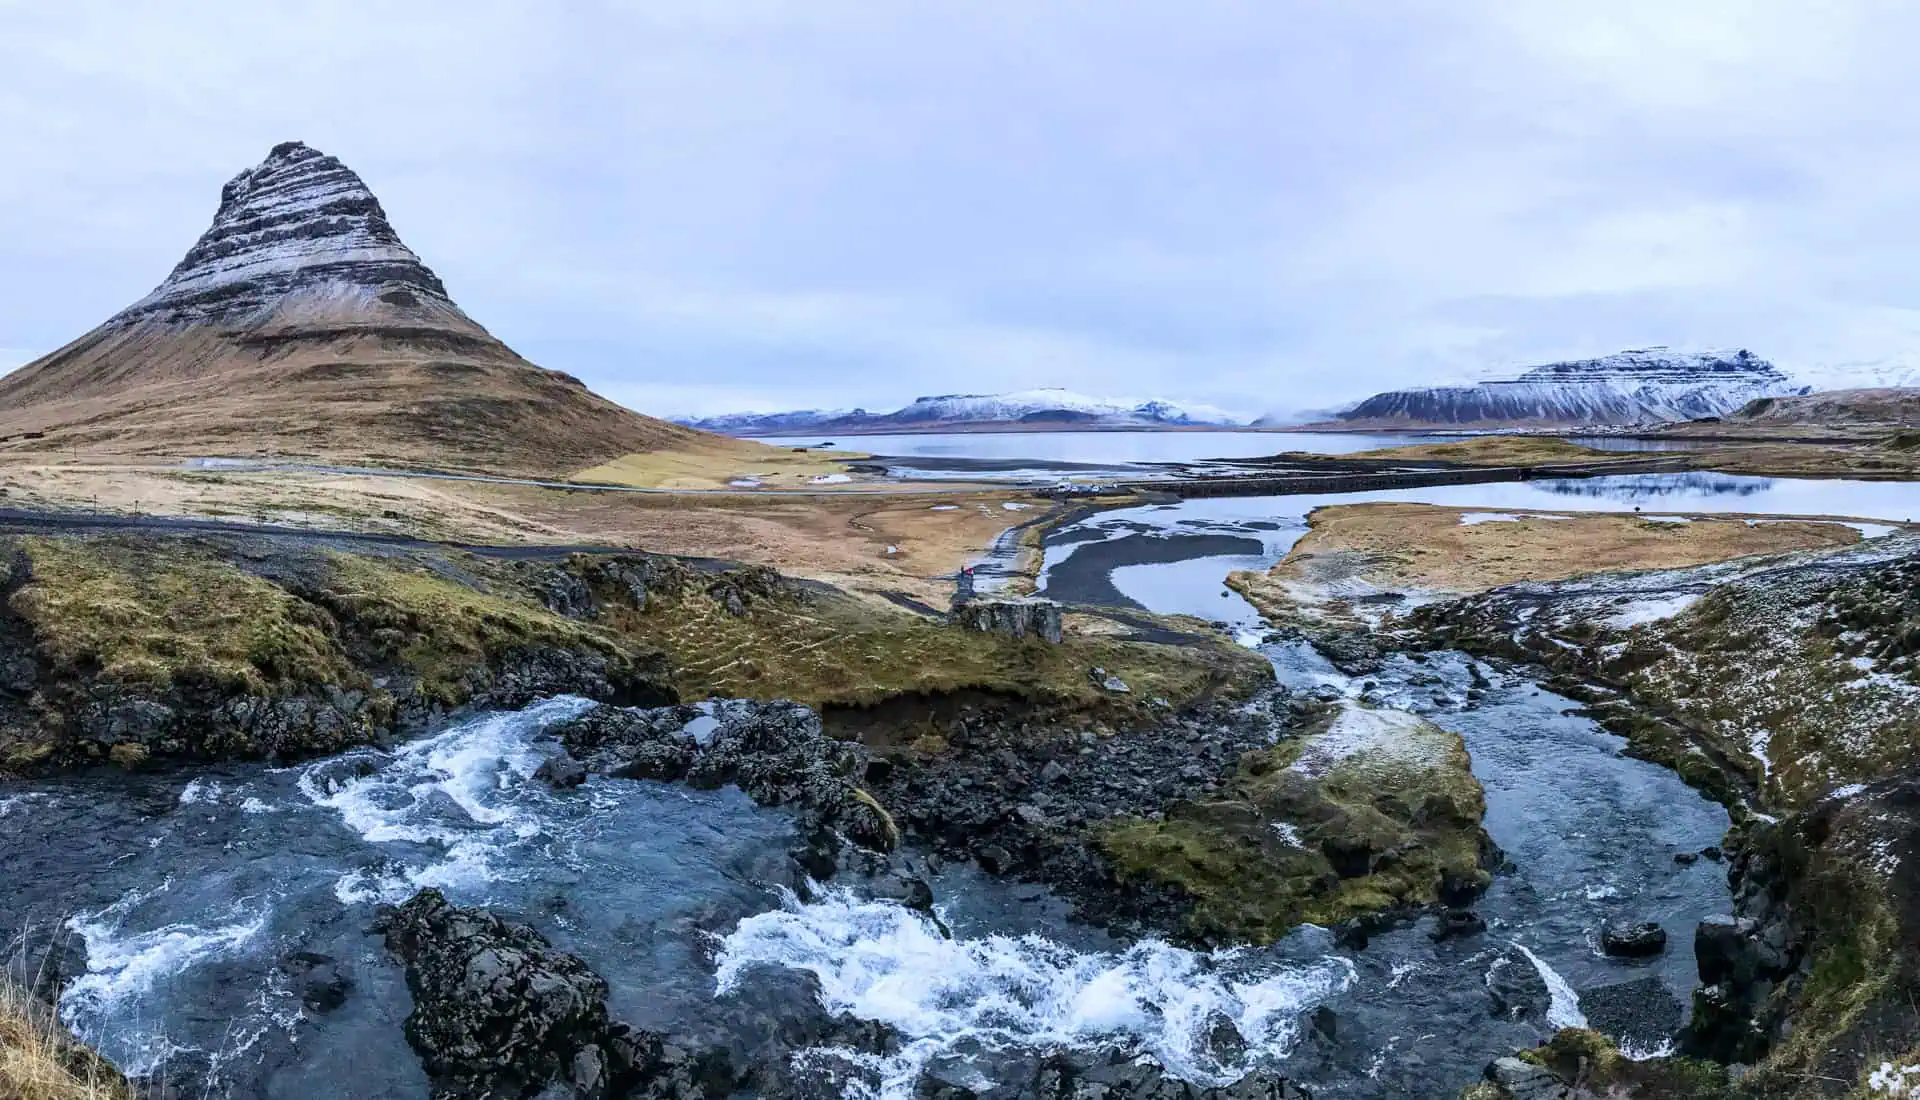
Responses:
[714,462]
[1355,550]
[39,1060]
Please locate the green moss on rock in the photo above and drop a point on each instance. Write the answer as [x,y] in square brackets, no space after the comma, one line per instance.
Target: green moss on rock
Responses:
[1371,810]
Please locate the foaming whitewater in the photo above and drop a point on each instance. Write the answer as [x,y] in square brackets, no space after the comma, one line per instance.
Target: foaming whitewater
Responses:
[447,804]
[1563,1008]
[879,961]
[125,965]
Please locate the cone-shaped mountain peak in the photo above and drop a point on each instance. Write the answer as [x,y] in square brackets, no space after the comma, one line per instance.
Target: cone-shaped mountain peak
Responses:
[300,324]
[298,220]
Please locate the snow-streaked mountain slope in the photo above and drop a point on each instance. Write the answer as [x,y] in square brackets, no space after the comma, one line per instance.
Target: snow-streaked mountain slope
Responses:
[1642,386]
[1028,408]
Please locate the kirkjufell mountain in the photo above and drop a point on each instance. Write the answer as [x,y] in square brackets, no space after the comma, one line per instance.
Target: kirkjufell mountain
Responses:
[301,325]
[1643,386]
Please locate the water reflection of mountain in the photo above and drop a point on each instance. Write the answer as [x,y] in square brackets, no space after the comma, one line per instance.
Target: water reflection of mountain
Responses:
[1636,487]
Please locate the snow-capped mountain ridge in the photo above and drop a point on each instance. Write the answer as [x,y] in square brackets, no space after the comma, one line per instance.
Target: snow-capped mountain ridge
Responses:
[1638,386]
[1025,407]
[298,223]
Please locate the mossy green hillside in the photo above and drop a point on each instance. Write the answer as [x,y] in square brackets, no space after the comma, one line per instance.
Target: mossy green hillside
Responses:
[829,649]
[158,613]
[1369,810]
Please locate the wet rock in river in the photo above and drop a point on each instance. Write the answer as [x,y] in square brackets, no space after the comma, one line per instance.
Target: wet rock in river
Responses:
[1633,941]
[1114,1076]
[499,1012]
[776,752]
[561,771]
[1516,989]
[322,983]
[1457,922]
[43,960]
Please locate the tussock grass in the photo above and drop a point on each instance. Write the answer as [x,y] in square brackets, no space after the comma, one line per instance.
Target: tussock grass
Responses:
[160,612]
[40,1060]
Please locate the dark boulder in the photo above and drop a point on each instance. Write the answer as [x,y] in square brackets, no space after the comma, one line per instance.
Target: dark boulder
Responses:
[322,983]
[1516,989]
[1633,941]
[497,1010]
[1457,922]
[561,771]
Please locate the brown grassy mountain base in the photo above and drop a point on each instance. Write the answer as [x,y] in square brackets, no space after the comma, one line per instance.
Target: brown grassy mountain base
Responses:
[1356,550]
[415,385]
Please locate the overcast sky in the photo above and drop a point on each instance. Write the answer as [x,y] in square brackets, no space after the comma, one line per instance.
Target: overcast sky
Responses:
[707,205]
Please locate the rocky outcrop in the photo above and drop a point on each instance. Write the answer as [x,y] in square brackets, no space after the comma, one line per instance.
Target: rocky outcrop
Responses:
[1116,1077]
[499,1012]
[1817,974]
[776,752]
[1015,617]
[1365,809]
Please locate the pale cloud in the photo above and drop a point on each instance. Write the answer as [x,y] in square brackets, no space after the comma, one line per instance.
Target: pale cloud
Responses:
[1259,204]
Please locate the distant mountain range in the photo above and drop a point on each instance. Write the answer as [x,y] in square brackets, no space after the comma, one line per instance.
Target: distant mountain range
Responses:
[1026,409]
[1642,386]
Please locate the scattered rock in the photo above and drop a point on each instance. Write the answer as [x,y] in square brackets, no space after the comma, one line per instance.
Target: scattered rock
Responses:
[1517,989]
[1457,922]
[1633,941]
[1686,859]
[1523,1080]
[561,771]
[323,985]
[1106,681]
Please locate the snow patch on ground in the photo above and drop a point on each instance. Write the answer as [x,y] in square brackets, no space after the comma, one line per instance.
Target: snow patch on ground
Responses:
[1361,731]
[1653,610]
